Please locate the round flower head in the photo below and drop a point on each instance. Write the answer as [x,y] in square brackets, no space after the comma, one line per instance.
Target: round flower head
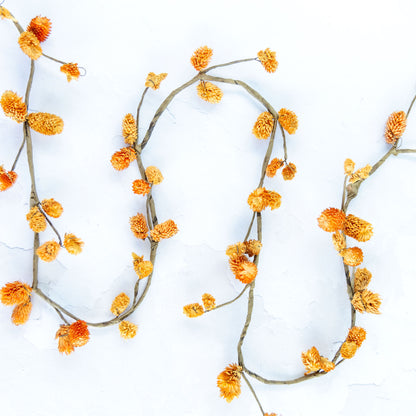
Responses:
[37,221]
[201,57]
[274,200]
[71,71]
[143,268]
[237,249]
[193,310]
[263,126]
[153,81]
[40,27]
[288,120]
[7,179]
[331,219]
[141,187]
[13,106]
[362,279]
[395,127]
[15,293]
[129,129]
[64,343]
[127,329]
[208,301]
[209,92]
[120,304]
[138,226]
[164,230]
[273,167]
[244,270]
[45,123]
[268,60]
[357,228]
[73,244]
[348,349]
[122,159]
[352,256]
[366,301]
[257,200]
[289,171]
[52,208]
[30,45]
[228,381]
[311,360]
[78,333]
[48,251]
[21,313]
[356,335]
[253,247]
[349,166]
[154,175]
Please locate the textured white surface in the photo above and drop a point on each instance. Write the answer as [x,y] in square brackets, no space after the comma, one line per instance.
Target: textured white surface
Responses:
[343,68]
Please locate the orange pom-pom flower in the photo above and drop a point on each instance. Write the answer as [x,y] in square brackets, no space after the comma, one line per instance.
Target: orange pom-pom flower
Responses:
[331,219]
[263,126]
[122,159]
[30,45]
[45,123]
[13,106]
[288,120]
[268,60]
[40,27]
[7,179]
[71,71]
[201,57]
[164,230]
[15,293]
[228,381]
[395,127]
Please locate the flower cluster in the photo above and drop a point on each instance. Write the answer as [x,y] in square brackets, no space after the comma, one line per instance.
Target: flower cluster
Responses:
[313,362]
[193,310]
[262,198]
[18,294]
[355,338]
[72,336]
[229,382]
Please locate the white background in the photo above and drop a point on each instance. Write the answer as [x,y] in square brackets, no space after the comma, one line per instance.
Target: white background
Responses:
[343,68]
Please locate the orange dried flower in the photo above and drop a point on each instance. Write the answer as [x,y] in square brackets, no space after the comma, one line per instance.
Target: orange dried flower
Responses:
[201,57]
[273,199]
[78,333]
[21,313]
[71,71]
[30,45]
[127,329]
[257,200]
[15,293]
[253,247]
[395,127]
[37,221]
[40,27]
[360,174]
[331,219]
[263,126]
[143,268]
[193,310]
[13,106]
[48,251]
[237,249]
[122,159]
[64,342]
[52,208]
[348,349]
[119,304]
[357,228]
[154,175]
[327,365]
[141,187]
[7,179]
[153,81]
[164,230]
[311,360]
[274,166]
[362,279]
[339,241]
[268,60]
[352,256]
[73,244]
[243,269]
[138,226]
[4,13]
[228,381]
[288,120]
[366,301]
[349,166]
[129,129]
[209,92]
[45,123]
[356,335]
[289,171]
[208,301]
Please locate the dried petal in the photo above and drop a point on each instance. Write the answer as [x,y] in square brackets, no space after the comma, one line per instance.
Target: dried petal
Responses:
[45,123]
[164,230]
[209,92]
[228,381]
[7,179]
[360,174]
[201,57]
[64,342]
[153,81]
[288,120]
[263,126]
[71,71]
[268,60]
[193,310]
[5,14]
[311,360]
[327,365]
[349,166]
[208,301]
[13,106]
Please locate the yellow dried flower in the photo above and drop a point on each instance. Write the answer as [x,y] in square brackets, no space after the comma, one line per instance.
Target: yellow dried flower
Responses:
[127,329]
[263,126]
[154,175]
[253,247]
[274,166]
[138,226]
[331,219]
[129,129]
[201,57]
[356,335]
[48,251]
[326,365]
[13,106]
[73,244]
[273,199]
[143,268]
[52,208]
[395,127]
[7,179]
[209,92]
[164,230]
[193,310]
[243,269]
[30,45]
[357,228]
[366,301]
[122,159]
[339,241]
[360,174]
[120,304]
[288,120]
[5,14]
[348,349]
[37,221]
[228,381]
[141,187]
[208,301]
[21,313]
[362,279]
[352,256]
[45,123]
[289,171]
[349,166]
[78,333]
[153,81]
[268,60]
[257,200]
[40,27]
[64,342]
[236,250]
[71,71]
[311,360]
[15,293]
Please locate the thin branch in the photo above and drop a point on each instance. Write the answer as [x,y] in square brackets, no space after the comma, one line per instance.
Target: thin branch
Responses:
[344,191]
[254,393]
[397,151]
[54,59]
[250,227]
[410,107]
[39,205]
[230,301]
[227,64]
[138,112]
[19,152]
